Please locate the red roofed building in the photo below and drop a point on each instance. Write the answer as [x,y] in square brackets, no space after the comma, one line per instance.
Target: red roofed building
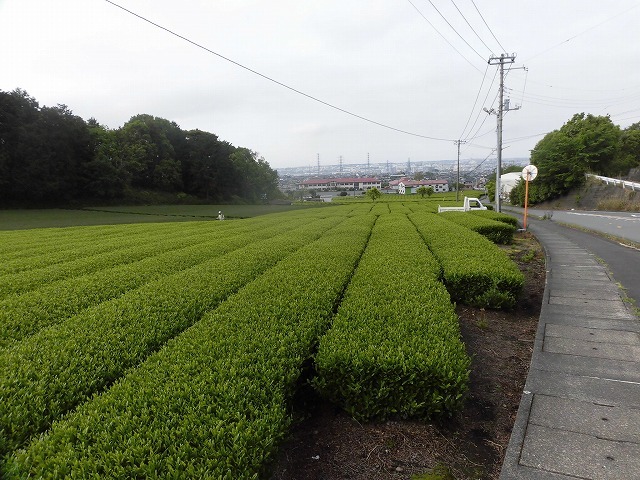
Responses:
[356,183]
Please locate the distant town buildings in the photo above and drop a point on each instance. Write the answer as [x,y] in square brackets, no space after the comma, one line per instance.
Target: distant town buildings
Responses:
[406,186]
[349,183]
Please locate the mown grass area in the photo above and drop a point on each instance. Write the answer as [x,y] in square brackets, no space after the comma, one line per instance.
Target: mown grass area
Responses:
[55,217]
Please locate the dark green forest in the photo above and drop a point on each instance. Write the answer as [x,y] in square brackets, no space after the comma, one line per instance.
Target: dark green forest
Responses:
[585,144]
[51,157]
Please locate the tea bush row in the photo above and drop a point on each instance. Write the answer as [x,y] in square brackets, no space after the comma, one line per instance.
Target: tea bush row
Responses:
[213,402]
[498,216]
[31,279]
[474,270]
[24,315]
[394,348]
[497,232]
[46,255]
[44,376]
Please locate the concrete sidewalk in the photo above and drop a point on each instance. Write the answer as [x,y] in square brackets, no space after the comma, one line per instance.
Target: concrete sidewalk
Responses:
[579,416]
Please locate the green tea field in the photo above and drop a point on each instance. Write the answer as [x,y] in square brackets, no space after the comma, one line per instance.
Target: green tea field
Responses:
[174,349]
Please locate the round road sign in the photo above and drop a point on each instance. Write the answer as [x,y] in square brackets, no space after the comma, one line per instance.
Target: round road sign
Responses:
[530,172]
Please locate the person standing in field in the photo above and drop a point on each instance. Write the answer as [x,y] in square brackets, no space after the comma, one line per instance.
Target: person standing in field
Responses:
[220,215]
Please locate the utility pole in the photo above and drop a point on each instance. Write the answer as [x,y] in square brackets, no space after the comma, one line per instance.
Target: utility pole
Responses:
[501,60]
[318,164]
[368,164]
[458,142]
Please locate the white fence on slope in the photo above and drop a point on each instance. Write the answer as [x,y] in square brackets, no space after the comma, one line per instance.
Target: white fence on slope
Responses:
[614,181]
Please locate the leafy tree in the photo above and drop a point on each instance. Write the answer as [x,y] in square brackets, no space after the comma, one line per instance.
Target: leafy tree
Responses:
[18,114]
[422,191]
[105,175]
[151,156]
[50,155]
[628,153]
[585,143]
[206,167]
[373,194]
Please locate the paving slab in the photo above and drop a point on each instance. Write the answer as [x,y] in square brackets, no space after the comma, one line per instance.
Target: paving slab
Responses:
[606,391]
[586,303]
[605,291]
[578,455]
[606,422]
[600,309]
[580,275]
[555,315]
[613,351]
[608,335]
[585,366]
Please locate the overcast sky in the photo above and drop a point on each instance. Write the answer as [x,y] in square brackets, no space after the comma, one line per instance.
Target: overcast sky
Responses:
[395,62]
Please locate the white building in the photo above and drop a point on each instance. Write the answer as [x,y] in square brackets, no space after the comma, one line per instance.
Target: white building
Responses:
[405,186]
[507,182]
[355,183]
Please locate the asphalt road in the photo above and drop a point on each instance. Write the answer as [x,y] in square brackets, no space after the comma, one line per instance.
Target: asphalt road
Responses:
[623,261]
[624,225]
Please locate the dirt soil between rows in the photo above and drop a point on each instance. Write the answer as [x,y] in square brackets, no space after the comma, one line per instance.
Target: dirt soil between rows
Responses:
[327,444]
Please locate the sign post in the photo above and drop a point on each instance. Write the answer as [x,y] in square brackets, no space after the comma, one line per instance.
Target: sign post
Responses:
[529,173]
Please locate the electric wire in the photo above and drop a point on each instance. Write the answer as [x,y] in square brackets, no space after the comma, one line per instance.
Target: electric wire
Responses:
[475,135]
[471,27]
[443,37]
[475,102]
[255,72]
[489,28]
[582,33]
[484,160]
[456,32]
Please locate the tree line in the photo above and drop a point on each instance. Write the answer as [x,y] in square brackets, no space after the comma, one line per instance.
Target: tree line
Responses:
[49,156]
[585,144]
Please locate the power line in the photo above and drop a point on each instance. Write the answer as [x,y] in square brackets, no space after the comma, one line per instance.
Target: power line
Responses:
[475,135]
[456,32]
[582,32]
[475,102]
[443,37]
[299,92]
[487,25]
[471,27]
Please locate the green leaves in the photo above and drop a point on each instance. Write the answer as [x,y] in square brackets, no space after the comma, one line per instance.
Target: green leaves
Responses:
[475,271]
[213,400]
[497,231]
[394,347]
[185,363]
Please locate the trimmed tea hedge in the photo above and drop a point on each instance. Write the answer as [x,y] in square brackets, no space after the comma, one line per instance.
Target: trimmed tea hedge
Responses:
[394,348]
[497,232]
[213,402]
[497,216]
[475,271]
[49,373]
[127,250]
[26,314]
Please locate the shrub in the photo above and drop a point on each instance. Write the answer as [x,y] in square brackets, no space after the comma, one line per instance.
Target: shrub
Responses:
[394,347]
[475,271]
[497,232]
